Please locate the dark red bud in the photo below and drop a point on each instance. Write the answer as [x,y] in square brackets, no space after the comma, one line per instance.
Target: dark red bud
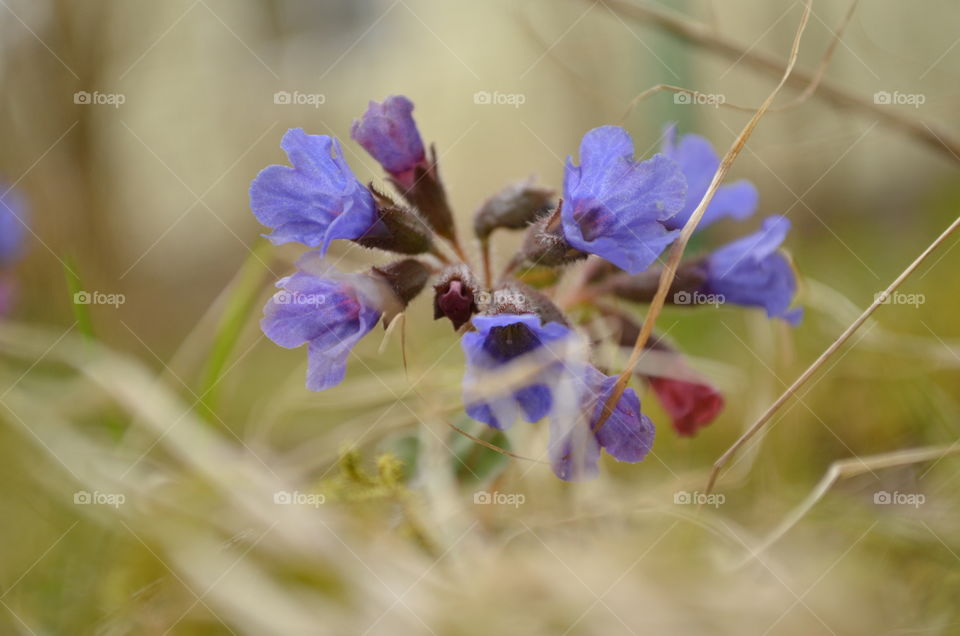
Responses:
[456,303]
[690,405]
[456,295]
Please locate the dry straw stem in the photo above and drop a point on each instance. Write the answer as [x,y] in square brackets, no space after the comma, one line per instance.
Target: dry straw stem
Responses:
[839,96]
[810,89]
[676,252]
[833,348]
[844,469]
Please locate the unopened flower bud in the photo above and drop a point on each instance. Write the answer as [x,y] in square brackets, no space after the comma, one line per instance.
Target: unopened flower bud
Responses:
[515,207]
[405,278]
[641,288]
[428,196]
[400,229]
[513,297]
[545,243]
[455,295]
[388,132]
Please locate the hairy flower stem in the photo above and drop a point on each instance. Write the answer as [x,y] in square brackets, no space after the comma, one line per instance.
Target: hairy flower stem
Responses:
[485,258]
[676,252]
[461,253]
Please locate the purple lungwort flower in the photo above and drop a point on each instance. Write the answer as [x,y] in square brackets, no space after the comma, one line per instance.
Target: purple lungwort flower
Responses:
[317,200]
[387,131]
[627,434]
[498,341]
[752,272]
[618,208]
[699,162]
[13,226]
[329,314]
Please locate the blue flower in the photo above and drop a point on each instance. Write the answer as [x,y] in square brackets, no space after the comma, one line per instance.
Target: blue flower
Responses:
[13,226]
[329,314]
[627,434]
[699,163]
[618,208]
[498,341]
[752,272]
[317,200]
[387,131]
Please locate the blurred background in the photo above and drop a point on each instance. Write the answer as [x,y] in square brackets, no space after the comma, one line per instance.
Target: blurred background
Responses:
[144,439]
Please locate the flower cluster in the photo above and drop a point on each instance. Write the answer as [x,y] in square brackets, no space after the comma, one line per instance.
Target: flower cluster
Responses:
[526,358]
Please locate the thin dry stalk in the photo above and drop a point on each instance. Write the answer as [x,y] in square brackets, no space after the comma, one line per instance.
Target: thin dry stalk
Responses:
[802,97]
[839,96]
[676,252]
[833,348]
[846,468]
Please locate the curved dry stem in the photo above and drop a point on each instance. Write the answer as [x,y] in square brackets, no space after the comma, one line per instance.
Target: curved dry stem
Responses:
[843,469]
[839,96]
[808,92]
[806,375]
[676,252]
[493,447]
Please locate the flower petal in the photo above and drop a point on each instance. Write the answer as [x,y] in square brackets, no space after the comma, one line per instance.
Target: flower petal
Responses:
[301,203]
[699,163]
[627,434]
[751,272]
[616,207]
